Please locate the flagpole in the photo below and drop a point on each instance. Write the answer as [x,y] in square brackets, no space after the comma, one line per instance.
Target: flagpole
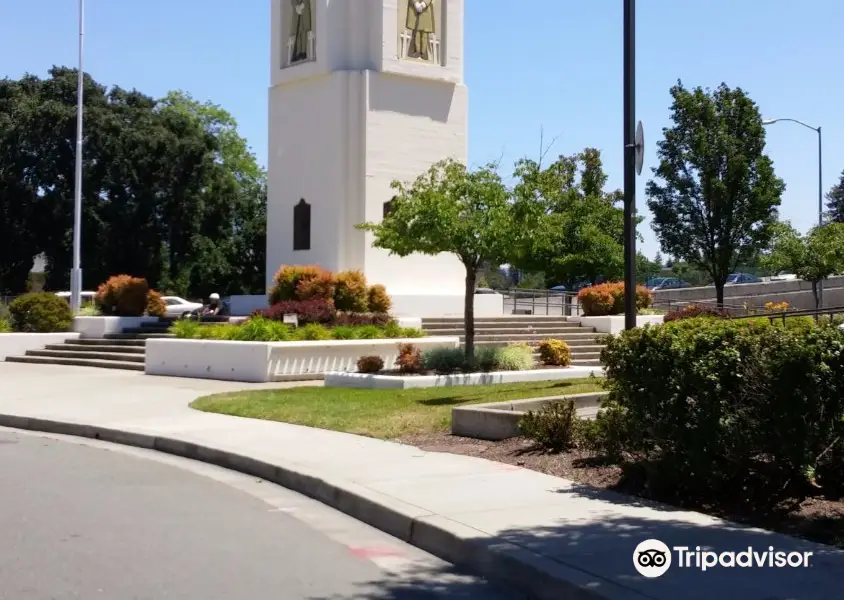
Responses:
[76,271]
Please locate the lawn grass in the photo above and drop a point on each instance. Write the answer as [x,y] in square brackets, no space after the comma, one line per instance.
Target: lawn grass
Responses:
[385,414]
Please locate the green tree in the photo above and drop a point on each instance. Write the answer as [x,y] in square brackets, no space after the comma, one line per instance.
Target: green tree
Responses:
[450,209]
[715,195]
[645,268]
[659,260]
[567,226]
[813,257]
[232,231]
[835,201]
[19,187]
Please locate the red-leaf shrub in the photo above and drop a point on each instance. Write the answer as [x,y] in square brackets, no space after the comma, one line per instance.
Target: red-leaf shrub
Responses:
[289,278]
[696,310]
[379,301]
[608,299]
[370,364]
[317,310]
[155,305]
[351,293]
[361,319]
[122,296]
[409,359]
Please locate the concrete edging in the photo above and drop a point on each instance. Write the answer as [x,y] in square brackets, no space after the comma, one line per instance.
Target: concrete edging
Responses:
[451,541]
[500,420]
[405,382]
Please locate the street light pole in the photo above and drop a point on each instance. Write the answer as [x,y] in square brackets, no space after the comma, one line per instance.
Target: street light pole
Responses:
[76,271]
[629,164]
[820,178]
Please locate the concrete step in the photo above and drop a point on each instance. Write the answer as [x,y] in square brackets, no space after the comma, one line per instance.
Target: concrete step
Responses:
[508,321]
[533,337]
[146,330]
[136,336]
[127,343]
[573,343]
[77,362]
[89,354]
[97,348]
[544,329]
[586,362]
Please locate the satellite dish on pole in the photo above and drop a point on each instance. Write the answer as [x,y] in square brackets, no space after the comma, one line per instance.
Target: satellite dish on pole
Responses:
[639,145]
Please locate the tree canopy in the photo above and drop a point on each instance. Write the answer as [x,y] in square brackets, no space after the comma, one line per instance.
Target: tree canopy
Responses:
[170,191]
[813,257]
[450,209]
[569,227]
[835,201]
[715,194]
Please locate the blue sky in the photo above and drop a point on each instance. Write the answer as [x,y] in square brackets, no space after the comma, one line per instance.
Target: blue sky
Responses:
[531,64]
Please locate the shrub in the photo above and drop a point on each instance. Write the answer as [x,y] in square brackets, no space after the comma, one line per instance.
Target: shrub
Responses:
[40,312]
[555,353]
[776,307]
[358,319]
[185,329]
[691,311]
[89,310]
[370,332]
[155,305]
[728,411]
[608,299]
[370,364]
[289,277]
[4,312]
[344,333]
[317,310]
[378,300]
[516,357]
[553,427]
[409,359]
[311,333]
[412,332]
[486,358]
[351,293]
[321,286]
[122,296]
[444,361]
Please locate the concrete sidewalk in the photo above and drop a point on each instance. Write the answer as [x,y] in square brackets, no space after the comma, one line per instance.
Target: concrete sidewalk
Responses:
[550,537]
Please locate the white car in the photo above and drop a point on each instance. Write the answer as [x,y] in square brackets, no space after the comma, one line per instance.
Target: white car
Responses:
[84,297]
[178,307]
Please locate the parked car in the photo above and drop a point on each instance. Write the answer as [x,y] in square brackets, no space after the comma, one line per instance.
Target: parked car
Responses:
[666,283]
[179,307]
[84,297]
[736,278]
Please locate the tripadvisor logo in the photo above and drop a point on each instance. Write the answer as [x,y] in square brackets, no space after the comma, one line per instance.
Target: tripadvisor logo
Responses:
[652,558]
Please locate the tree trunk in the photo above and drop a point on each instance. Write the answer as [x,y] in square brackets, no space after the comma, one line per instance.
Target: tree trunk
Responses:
[469,315]
[719,293]
[816,295]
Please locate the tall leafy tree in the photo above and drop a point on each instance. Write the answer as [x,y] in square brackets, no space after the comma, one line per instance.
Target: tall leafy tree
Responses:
[835,201]
[715,194]
[813,257]
[450,209]
[19,187]
[569,227]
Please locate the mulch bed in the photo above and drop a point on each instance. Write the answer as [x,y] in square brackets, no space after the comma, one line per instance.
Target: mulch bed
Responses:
[817,519]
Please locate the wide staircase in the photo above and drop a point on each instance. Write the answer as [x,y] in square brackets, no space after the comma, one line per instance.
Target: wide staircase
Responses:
[113,351]
[499,331]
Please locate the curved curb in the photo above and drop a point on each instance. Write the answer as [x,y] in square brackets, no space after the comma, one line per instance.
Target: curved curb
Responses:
[537,576]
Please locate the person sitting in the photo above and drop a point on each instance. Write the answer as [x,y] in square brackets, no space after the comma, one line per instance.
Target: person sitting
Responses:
[213,307]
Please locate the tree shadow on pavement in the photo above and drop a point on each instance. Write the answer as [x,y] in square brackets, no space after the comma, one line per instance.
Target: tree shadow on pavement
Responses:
[592,547]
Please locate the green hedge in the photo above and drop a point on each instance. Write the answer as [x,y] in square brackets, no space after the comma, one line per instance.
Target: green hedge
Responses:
[259,329]
[40,312]
[733,411]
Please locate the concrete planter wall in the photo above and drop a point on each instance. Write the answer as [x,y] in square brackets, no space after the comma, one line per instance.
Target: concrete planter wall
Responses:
[16,344]
[614,324]
[404,382]
[500,420]
[97,327]
[258,362]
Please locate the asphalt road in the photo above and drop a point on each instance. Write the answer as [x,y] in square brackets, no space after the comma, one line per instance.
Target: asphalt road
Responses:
[81,519]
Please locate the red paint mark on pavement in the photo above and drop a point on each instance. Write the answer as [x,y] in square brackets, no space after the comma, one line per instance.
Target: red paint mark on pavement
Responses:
[370,552]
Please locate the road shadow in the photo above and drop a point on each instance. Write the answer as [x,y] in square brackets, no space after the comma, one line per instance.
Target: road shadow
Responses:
[593,548]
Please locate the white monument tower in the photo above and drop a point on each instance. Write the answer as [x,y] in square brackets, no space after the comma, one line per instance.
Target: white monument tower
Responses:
[362,92]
